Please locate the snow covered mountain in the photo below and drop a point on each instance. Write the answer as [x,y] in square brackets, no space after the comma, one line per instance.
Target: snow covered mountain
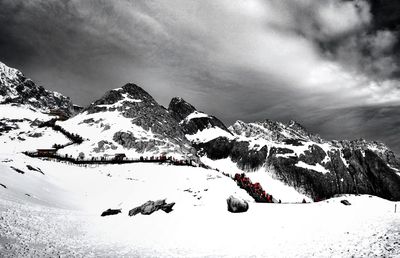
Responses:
[198,126]
[50,208]
[15,88]
[128,120]
[319,168]
[24,106]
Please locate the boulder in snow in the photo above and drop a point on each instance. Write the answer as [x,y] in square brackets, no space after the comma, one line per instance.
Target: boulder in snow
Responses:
[237,205]
[109,212]
[345,202]
[152,206]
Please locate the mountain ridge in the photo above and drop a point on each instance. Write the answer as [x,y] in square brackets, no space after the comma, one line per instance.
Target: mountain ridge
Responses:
[129,120]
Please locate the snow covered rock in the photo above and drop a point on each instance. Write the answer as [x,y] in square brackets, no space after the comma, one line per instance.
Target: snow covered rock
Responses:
[236,205]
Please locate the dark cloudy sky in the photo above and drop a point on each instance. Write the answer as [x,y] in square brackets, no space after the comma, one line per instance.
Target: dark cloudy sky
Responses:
[332,65]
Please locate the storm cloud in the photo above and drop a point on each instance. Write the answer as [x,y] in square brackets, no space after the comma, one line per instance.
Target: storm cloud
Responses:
[250,60]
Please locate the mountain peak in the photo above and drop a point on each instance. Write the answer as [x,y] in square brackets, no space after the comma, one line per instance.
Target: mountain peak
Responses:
[8,75]
[134,90]
[121,98]
[198,126]
[15,88]
[180,108]
[129,120]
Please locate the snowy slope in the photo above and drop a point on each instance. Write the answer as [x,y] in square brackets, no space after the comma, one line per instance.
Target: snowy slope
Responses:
[264,175]
[57,214]
[50,208]
[19,129]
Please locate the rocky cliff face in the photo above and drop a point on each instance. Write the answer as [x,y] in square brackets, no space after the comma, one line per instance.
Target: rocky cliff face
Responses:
[198,126]
[15,88]
[319,168]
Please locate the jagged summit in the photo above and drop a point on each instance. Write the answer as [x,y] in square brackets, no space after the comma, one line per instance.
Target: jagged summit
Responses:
[129,120]
[8,75]
[15,88]
[120,98]
[273,130]
[180,108]
[198,126]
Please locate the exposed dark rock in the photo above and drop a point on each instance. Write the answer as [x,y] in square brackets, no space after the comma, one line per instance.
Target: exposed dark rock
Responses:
[18,170]
[104,145]
[236,205]
[180,110]
[152,206]
[88,121]
[275,151]
[219,148]
[126,139]
[313,155]
[345,202]
[109,212]
[294,142]
[239,152]
[76,109]
[35,135]
[168,207]
[35,169]
[5,187]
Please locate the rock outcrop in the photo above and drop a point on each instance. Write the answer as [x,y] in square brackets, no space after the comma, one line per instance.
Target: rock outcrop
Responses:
[198,126]
[236,205]
[192,120]
[152,206]
[110,212]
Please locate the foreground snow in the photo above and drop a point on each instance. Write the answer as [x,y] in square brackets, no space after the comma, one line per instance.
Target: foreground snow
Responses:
[61,216]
